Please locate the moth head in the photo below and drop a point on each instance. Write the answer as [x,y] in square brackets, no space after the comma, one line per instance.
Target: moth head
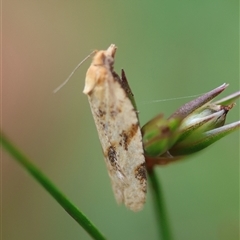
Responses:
[102,64]
[104,58]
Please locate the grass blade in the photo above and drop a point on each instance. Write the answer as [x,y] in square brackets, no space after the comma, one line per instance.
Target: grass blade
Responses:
[69,207]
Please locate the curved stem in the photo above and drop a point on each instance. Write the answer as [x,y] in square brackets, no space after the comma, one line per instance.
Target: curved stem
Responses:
[159,207]
[69,207]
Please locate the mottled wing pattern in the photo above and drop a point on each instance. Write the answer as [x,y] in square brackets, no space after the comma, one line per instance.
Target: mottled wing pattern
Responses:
[118,129]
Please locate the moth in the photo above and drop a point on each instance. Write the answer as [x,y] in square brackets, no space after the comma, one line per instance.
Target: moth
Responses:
[116,119]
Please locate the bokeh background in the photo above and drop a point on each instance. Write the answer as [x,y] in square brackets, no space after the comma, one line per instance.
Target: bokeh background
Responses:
[168,49]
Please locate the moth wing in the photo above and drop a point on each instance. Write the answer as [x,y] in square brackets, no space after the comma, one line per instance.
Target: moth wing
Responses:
[121,140]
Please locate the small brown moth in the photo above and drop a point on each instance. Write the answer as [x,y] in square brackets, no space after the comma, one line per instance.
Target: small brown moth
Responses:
[118,129]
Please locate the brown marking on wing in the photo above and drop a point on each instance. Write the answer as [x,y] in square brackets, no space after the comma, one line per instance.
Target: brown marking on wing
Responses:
[128,135]
[141,175]
[113,159]
[101,113]
[113,114]
[114,111]
[112,155]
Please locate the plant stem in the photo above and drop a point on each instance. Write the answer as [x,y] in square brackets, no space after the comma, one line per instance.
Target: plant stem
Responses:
[159,207]
[70,208]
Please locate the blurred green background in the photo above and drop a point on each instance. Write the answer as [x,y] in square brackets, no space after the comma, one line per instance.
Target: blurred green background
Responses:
[168,49]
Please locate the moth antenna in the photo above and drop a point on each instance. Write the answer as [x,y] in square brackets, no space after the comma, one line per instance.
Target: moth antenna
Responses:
[75,69]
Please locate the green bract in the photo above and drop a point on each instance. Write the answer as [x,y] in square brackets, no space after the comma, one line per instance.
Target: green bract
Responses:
[193,127]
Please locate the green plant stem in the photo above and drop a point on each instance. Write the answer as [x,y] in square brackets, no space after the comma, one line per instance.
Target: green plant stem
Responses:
[159,207]
[71,209]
